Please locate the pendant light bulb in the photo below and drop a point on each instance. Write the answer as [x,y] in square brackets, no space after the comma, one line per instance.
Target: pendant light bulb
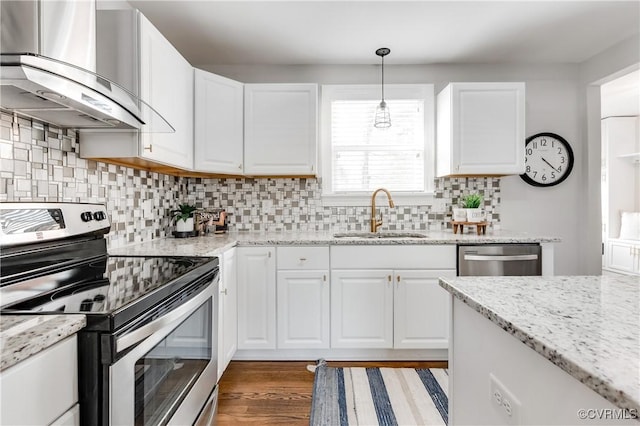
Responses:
[382,118]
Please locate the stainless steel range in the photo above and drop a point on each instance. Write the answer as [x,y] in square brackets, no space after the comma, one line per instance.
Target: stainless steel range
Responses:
[148,355]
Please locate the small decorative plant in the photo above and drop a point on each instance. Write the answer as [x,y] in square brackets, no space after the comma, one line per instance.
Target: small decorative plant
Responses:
[472,201]
[183,212]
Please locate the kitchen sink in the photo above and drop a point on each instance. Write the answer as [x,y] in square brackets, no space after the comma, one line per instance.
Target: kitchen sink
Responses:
[382,234]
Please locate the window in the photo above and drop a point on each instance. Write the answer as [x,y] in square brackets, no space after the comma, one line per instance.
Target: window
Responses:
[357,158]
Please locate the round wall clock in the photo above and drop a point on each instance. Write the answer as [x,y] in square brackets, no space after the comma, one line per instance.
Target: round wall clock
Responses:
[548,159]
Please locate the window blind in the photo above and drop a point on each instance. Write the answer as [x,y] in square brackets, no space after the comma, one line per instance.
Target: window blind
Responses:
[365,158]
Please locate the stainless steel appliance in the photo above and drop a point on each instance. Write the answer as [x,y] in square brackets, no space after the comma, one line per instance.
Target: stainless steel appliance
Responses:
[499,259]
[148,355]
[48,66]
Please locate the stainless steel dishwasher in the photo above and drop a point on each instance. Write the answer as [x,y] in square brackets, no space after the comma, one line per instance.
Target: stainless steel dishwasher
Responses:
[499,259]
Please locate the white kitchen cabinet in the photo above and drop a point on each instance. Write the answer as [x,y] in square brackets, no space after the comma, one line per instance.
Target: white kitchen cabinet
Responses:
[303,289]
[218,124]
[361,309]
[480,129]
[421,309]
[132,52]
[256,297]
[228,311]
[280,129]
[392,299]
[43,389]
[622,256]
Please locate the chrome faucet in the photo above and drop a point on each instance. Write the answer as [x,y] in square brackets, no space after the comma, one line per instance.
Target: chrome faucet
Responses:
[374,222]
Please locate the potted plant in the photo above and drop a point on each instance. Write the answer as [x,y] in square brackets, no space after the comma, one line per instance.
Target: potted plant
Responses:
[472,204]
[183,216]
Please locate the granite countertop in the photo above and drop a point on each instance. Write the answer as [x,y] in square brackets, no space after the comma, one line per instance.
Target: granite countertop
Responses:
[589,326]
[22,336]
[214,244]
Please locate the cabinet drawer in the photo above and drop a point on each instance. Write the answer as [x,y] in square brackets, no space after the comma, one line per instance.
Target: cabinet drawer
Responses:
[302,258]
[394,257]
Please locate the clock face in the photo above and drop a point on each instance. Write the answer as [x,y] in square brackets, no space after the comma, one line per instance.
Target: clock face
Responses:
[548,159]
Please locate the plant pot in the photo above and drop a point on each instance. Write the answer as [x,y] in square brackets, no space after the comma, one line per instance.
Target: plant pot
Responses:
[459,214]
[184,225]
[475,215]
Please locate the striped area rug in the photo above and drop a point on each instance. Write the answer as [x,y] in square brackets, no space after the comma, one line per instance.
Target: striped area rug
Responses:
[379,396]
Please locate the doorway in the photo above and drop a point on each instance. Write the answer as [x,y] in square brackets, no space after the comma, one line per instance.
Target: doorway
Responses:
[620,174]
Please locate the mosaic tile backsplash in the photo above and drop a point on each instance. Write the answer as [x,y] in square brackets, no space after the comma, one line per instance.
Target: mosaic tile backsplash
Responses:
[41,163]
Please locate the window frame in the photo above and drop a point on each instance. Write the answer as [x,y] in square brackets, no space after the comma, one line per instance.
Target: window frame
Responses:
[332,92]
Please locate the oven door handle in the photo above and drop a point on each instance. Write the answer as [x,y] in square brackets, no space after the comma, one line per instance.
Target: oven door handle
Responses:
[138,335]
[501,258]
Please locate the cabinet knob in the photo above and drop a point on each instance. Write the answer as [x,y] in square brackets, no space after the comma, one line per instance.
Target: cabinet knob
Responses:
[223,291]
[303,259]
[389,278]
[324,278]
[148,148]
[398,278]
[240,166]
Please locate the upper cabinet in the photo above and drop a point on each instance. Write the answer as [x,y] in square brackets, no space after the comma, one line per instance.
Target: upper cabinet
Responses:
[481,129]
[218,121]
[280,129]
[133,53]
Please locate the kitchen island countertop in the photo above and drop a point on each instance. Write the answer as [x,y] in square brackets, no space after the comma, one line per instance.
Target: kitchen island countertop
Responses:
[214,244]
[589,326]
[22,336]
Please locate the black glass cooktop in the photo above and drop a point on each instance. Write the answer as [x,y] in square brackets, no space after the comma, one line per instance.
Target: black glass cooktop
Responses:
[104,286]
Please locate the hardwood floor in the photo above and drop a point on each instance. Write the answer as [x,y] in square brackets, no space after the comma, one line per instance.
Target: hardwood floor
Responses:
[278,392]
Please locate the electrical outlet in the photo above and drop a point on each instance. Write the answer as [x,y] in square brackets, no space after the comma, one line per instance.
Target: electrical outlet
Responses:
[505,402]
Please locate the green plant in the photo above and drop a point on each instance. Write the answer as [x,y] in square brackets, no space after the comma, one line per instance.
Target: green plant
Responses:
[472,201]
[183,212]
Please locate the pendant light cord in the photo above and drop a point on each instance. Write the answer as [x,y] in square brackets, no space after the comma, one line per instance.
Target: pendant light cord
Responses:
[382,79]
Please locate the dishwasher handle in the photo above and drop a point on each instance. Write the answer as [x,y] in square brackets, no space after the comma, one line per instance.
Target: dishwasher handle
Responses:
[500,258]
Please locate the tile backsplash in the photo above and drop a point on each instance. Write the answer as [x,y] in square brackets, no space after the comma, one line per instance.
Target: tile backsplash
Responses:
[41,163]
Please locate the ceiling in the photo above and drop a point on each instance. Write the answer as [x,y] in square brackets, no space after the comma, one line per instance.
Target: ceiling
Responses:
[417,32]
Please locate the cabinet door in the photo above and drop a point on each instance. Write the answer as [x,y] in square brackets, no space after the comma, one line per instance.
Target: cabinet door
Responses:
[167,85]
[621,256]
[218,124]
[481,129]
[228,311]
[256,298]
[361,309]
[421,309]
[280,129]
[303,309]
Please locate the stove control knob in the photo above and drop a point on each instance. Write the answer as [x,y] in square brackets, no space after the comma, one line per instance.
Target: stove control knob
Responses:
[86,216]
[99,215]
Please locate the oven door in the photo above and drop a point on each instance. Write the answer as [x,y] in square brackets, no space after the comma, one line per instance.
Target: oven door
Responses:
[169,375]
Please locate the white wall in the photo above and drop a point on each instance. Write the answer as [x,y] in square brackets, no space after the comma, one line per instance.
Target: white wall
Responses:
[553,96]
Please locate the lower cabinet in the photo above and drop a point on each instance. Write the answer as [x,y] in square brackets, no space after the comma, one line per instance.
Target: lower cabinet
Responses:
[420,309]
[361,309]
[256,298]
[393,300]
[340,300]
[622,256]
[227,311]
[43,389]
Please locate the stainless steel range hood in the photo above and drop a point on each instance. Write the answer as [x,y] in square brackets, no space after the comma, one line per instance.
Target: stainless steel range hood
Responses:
[48,70]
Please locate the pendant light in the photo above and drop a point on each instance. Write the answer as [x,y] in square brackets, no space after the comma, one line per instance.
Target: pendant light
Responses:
[383,119]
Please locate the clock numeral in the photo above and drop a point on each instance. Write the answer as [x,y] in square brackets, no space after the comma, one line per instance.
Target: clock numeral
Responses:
[543,142]
[553,175]
[535,173]
[528,169]
[562,160]
[559,169]
[559,150]
[535,145]
[553,143]
[544,178]
[529,151]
